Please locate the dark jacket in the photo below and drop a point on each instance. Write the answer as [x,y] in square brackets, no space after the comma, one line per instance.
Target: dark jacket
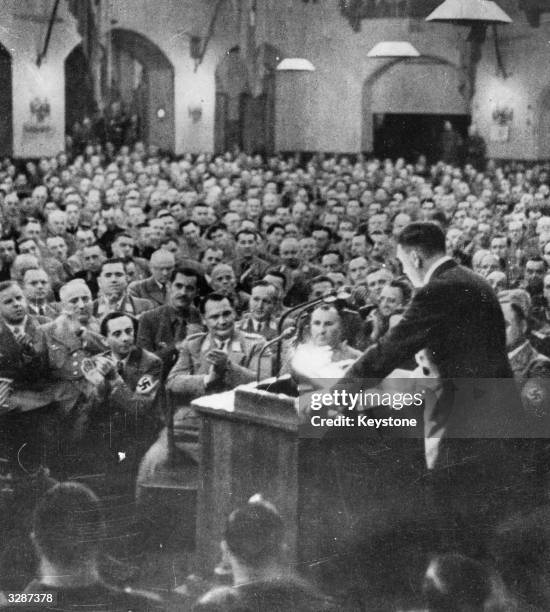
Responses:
[161,329]
[147,289]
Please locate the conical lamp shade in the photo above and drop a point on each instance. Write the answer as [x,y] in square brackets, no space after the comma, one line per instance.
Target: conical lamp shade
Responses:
[297,64]
[469,12]
[396,48]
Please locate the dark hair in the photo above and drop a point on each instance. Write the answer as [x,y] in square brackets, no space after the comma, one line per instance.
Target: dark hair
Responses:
[321,278]
[113,260]
[68,524]
[277,273]
[536,259]
[427,237]
[4,285]
[21,241]
[261,283]
[251,232]
[273,227]
[210,247]
[122,235]
[214,297]
[117,314]
[185,271]
[404,286]
[214,228]
[254,533]
[188,222]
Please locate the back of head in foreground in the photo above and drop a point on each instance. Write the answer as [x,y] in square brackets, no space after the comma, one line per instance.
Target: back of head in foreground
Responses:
[254,546]
[68,527]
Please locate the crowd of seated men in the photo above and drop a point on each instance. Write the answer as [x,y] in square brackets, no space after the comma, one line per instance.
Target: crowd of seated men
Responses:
[132,280]
[69,532]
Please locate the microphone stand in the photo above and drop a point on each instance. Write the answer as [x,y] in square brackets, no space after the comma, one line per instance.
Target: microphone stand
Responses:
[287,333]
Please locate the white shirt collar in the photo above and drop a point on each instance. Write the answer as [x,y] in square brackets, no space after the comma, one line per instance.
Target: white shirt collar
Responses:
[434,266]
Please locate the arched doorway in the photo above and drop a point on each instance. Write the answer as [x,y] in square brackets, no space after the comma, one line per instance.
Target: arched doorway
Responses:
[544,125]
[245,103]
[144,79]
[405,105]
[79,92]
[6,125]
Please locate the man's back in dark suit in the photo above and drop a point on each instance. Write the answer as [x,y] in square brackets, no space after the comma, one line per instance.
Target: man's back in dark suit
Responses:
[457,317]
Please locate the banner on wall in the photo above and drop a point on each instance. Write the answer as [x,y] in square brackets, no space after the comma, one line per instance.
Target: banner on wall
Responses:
[39,121]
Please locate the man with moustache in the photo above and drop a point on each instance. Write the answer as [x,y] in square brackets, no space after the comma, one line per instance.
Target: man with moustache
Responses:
[162,328]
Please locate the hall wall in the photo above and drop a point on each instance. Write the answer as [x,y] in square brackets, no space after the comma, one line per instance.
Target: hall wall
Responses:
[524,52]
[324,110]
[23,26]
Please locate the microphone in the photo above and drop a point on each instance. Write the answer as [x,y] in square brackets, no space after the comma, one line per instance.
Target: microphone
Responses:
[284,335]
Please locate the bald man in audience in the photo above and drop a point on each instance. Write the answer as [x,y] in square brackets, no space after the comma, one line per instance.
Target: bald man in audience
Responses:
[155,288]
[72,338]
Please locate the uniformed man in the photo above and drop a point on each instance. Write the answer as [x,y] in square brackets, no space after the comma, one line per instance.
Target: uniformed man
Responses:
[210,362]
[71,340]
[126,382]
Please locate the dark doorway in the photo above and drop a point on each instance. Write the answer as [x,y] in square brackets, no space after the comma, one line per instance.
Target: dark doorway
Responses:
[143,82]
[79,92]
[409,136]
[6,129]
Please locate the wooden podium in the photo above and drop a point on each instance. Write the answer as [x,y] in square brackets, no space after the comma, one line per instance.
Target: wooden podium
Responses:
[332,493]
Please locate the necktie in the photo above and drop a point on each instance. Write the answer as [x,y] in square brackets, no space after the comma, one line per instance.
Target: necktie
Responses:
[41,311]
[120,368]
[180,329]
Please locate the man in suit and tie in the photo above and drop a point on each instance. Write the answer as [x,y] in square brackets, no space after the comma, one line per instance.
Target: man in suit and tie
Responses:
[162,328]
[37,288]
[113,296]
[155,288]
[27,416]
[455,320]
[259,319]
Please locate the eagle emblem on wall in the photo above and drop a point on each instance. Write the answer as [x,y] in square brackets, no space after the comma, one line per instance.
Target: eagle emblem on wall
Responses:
[40,109]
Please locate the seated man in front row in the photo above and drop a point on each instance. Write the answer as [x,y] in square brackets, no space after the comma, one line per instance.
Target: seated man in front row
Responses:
[126,385]
[210,362]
